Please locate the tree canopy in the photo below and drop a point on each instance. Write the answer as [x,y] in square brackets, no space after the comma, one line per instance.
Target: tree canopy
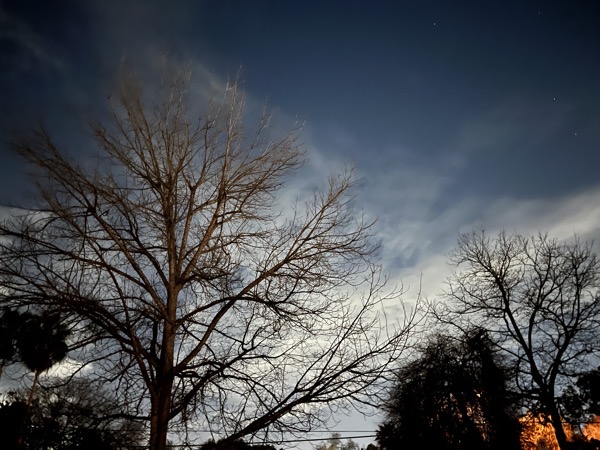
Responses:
[193,293]
[69,416]
[453,396]
[539,299]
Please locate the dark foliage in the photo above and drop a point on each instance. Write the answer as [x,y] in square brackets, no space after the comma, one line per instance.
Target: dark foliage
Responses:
[233,445]
[14,423]
[9,327]
[589,387]
[41,341]
[36,340]
[538,298]
[452,397]
[69,417]
[582,401]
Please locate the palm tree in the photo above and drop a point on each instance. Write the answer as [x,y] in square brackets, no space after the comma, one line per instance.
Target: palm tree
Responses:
[41,344]
[9,329]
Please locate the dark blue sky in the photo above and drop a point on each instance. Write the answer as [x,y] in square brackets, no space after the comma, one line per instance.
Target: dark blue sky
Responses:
[454,113]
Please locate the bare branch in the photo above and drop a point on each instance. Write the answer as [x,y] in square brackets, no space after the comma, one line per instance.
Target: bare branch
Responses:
[195,296]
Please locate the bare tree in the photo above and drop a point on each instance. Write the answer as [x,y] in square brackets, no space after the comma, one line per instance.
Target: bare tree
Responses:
[539,298]
[207,304]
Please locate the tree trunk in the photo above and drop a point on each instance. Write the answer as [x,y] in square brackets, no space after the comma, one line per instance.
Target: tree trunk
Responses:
[559,431]
[161,401]
[159,420]
[33,385]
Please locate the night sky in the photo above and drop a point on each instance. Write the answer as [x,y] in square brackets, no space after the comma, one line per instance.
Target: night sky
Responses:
[456,114]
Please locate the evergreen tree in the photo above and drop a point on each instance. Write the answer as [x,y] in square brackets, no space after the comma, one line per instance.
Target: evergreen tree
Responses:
[452,397]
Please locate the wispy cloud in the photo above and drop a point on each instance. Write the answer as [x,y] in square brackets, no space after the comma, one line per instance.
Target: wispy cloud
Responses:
[418,255]
[29,47]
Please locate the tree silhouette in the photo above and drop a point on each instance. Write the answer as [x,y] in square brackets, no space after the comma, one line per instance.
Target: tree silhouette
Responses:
[10,322]
[581,402]
[589,388]
[14,424]
[37,341]
[205,299]
[234,445]
[453,396]
[70,416]
[41,343]
[540,300]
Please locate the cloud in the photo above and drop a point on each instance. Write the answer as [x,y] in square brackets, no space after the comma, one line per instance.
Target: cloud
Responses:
[562,217]
[430,241]
[29,47]
[492,173]
[420,213]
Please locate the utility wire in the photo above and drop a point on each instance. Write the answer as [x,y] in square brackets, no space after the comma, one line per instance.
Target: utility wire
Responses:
[286,441]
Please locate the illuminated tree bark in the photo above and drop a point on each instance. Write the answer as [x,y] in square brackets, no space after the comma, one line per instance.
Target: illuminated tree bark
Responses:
[205,302]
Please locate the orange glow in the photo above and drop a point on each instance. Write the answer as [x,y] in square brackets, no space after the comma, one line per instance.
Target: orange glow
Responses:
[592,430]
[538,434]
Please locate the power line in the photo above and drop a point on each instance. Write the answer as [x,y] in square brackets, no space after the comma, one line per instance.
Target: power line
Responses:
[320,439]
[286,441]
[340,431]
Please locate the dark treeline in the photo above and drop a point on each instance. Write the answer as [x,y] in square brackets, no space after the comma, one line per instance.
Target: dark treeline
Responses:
[517,337]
